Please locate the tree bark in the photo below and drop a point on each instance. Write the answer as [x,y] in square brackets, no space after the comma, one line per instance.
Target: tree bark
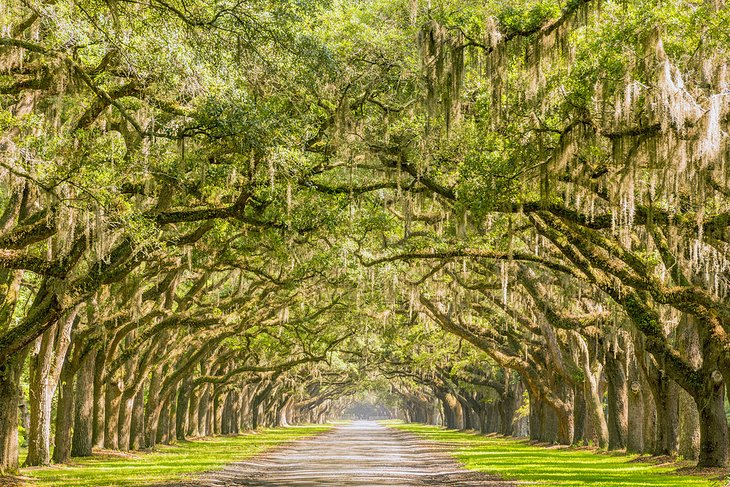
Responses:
[193,413]
[99,400]
[713,424]
[618,406]
[112,401]
[65,413]
[666,404]
[10,374]
[82,441]
[45,370]
[136,441]
[124,421]
[579,407]
[183,401]
[636,410]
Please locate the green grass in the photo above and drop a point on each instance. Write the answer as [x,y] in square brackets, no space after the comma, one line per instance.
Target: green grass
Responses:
[167,463]
[518,460]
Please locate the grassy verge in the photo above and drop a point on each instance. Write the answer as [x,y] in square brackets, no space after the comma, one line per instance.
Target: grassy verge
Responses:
[518,460]
[167,463]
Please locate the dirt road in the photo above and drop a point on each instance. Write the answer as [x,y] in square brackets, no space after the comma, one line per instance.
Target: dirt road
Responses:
[362,453]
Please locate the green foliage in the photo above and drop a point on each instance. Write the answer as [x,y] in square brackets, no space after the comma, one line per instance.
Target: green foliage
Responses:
[527,16]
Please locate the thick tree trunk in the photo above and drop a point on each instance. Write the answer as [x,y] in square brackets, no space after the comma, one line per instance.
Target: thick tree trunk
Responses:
[549,422]
[163,425]
[203,409]
[183,401]
[136,441]
[46,367]
[636,411]
[218,404]
[450,413]
[99,413]
[565,427]
[713,423]
[284,412]
[153,409]
[245,409]
[512,403]
[618,405]
[10,373]
[650,422]
[124,422]
[64,415]
[39,437]
[193,414]
[256,407]
[688,344]
[535,417]
[689,427]
[466,415]
[227,414]
[592,370]
[666,403]
[81,443]
[171,406]
[112,401]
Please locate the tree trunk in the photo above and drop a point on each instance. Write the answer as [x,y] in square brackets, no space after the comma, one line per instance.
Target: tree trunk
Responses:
[124,422]
[535,417]
[713,423]
[113,399]
[592,370]
[636,411]
[579,407]
[64,415]
[204,412]
[136,441]
[153,409]
[10,373]
[618,405]
[45,373]
[39,437]
[171,406]
[666,403]
[193,413]
[81,443]
[689,427]
[183,401]
[99,413]
[41,390]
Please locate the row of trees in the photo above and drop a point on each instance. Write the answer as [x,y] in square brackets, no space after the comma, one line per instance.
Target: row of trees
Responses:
[150,290]
[559,199]
[217,216]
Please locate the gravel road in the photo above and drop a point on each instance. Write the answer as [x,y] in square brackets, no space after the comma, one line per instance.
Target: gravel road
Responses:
[362,453]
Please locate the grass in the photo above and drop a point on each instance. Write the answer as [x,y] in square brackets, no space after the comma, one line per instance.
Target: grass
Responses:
[167,463]
[518,460]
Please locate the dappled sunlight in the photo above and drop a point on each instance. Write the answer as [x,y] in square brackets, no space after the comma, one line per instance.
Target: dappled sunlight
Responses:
[517,459]
[220,219]
[169,462]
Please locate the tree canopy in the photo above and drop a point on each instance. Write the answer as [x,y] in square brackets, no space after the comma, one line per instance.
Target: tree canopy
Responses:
[505,215]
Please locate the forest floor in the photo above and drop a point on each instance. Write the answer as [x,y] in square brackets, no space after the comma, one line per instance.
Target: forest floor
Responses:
[559,466]
[166,464]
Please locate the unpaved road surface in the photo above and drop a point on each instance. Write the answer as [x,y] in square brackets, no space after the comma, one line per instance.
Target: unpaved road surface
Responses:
[362,453]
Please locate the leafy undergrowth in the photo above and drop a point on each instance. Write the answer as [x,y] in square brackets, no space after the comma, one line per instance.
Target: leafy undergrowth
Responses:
[517,459]
[167,463]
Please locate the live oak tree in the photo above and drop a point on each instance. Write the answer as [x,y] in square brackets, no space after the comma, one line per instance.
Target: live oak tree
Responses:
[220,216]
